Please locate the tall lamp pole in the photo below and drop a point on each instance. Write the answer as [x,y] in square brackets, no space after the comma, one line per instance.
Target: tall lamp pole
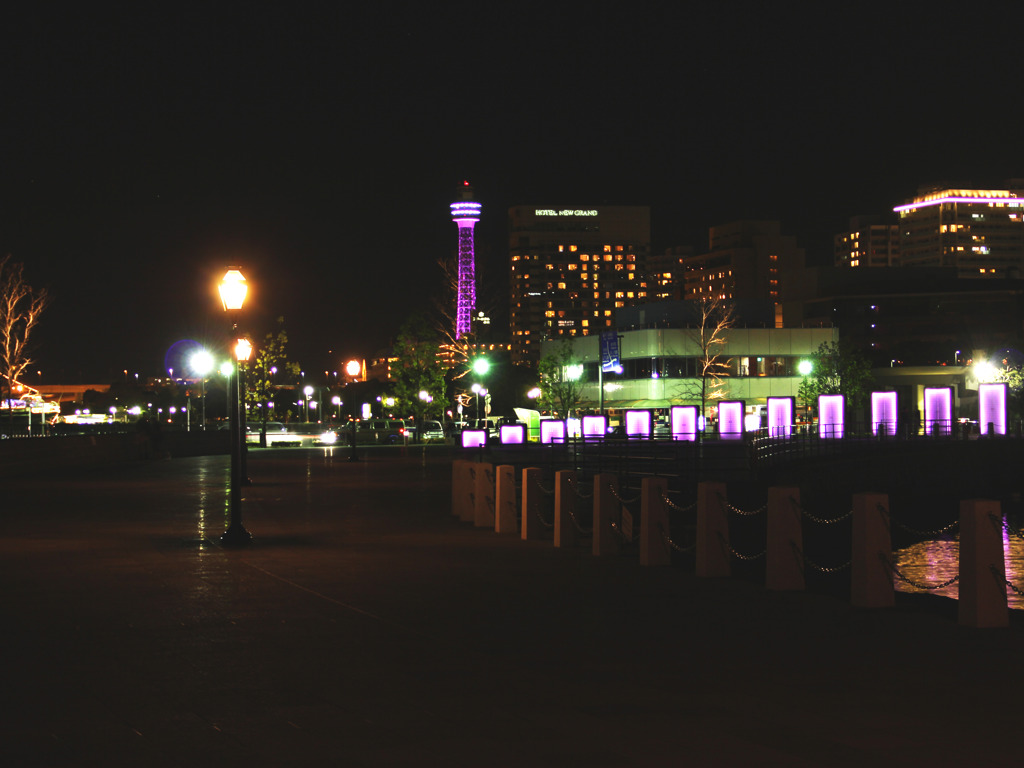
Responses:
[233,289]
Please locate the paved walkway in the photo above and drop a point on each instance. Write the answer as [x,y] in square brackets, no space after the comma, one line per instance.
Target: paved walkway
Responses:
[367,627]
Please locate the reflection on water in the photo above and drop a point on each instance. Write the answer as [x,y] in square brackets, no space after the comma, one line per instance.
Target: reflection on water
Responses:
[938,560]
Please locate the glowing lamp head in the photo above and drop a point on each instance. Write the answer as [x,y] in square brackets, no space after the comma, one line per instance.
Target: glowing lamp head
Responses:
[243,348]
[233,289]
[804,367]
[481,366]
[985,372]
[201,362]
[353,368]
[574,372]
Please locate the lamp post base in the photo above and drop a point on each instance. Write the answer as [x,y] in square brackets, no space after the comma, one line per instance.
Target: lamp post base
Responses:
[236,536]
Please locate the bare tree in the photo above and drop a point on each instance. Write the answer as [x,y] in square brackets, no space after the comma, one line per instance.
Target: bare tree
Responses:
[20,308]
[714,319]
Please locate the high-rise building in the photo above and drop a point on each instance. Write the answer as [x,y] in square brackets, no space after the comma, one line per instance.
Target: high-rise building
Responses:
[746,260]
[465,213]
[980,232]
[570,268]
[869,242]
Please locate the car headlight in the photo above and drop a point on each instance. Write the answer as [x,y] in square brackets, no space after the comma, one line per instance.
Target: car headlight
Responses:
[329,437]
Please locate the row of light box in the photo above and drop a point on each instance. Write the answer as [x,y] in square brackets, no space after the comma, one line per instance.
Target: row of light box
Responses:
[938,419]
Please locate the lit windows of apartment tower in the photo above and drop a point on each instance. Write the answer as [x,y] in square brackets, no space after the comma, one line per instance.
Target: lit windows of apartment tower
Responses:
[746,260]
[980,232]
[571,268]
[869,242]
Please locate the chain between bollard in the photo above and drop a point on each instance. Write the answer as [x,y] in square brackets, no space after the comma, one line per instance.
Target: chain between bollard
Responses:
[820,568]
[671,544]
[914,531]
[741,512]
[1012,530]
[672,505]
[1010,584]
[740,555]
[621,500]
[820,520]
[622,536]
[576,487]
[536,511]
[576,524]
[919,584]
[542,489]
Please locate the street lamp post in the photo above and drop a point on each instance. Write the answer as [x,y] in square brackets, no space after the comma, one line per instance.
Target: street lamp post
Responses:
[202,364]
[243,348]
[232,293]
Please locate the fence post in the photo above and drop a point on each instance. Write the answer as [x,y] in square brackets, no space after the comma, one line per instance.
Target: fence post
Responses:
[982,600]
[784,567]
[713,555]
[565,507]
[654,522]
[532,496]
[605,488]
[870,562]
[505,499]
[483,507]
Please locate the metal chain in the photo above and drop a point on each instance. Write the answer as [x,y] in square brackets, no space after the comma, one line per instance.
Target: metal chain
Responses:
[672,545]
[672,505]
[545,523]
[615,493]
[619,532]
[576,523]
[820,520]
[542,489]
[576,487]
[920,585]
[739,511]
[916,532]
[822,569]
[738,554]
[1010,584]
[1012,530]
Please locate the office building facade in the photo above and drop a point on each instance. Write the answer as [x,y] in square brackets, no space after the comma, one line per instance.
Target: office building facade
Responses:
[869,242]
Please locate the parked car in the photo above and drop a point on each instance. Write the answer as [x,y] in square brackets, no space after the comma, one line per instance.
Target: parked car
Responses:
[430,431]
[381,431]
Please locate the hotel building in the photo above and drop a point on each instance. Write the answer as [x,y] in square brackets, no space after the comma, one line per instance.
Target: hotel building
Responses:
[571,268]
[869,242]
[746,260]
[980,232]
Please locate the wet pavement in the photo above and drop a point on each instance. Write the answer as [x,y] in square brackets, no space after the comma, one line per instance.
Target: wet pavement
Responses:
[366,626]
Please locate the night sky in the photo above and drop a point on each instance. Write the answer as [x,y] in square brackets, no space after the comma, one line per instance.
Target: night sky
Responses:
[318,146]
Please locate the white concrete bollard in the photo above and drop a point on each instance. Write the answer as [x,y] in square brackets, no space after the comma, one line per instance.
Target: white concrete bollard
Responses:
[654,549]
[714,559]
[606,512]
[784,566]
[870,562]
[467,511]
[533,502]
[505,500]
[565,507]
[982,600]
[483,507]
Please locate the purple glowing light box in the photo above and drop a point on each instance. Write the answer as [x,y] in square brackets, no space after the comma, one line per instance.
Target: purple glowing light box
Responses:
[830,416]
[638,423]
[552,431]
[474,438]
[938,410]
[684,422]
[780,416]
[512,434]
[595,426]
[883,413]
[730,419]
[992,408]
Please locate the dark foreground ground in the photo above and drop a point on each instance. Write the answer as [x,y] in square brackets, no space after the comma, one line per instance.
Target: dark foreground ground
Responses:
[366,626]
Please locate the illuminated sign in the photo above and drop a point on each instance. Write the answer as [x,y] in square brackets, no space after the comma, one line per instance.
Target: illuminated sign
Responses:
[684,422]
[638,423]
[780,416]
[830,416]
[992,408]
[730,419]
[883,413]
[564,212]
[938,410]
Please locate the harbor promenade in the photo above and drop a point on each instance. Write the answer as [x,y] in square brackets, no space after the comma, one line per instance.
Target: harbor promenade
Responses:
[366,626]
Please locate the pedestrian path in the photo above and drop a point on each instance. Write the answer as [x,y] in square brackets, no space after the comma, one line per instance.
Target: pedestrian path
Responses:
[368,627]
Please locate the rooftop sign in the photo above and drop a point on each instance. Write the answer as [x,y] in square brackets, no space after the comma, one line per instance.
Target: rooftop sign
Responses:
[563,212]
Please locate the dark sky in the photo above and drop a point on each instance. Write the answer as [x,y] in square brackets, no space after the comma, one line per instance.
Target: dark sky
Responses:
[318,145]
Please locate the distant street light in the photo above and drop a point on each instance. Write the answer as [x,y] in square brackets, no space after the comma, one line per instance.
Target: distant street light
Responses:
[202,364]
[233,290]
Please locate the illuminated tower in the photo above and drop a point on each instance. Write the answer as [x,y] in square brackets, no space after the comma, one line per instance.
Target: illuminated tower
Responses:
[466,214]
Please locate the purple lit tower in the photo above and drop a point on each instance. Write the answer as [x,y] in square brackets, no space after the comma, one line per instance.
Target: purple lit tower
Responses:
[466,214]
